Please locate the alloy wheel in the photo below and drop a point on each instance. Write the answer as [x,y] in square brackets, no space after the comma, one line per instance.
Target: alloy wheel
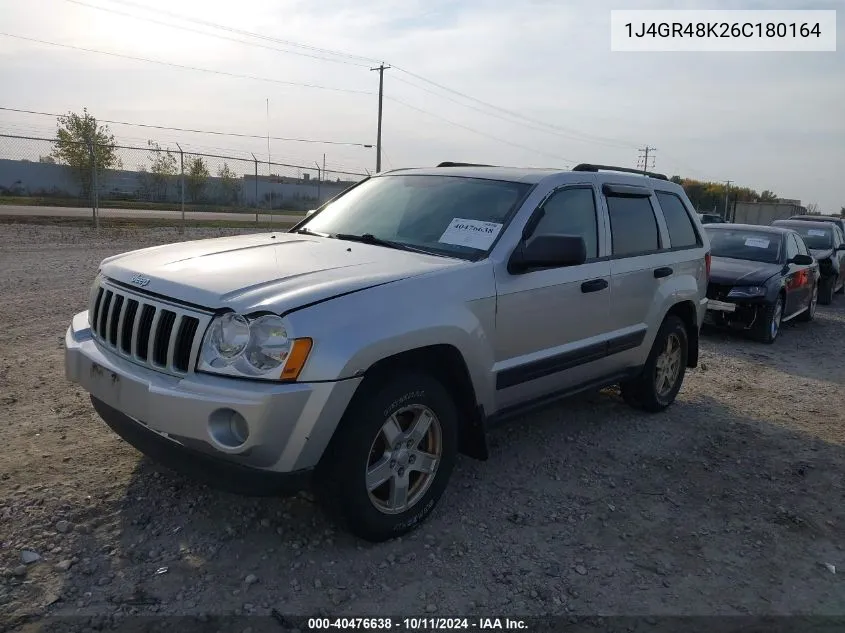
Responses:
[668,366]
[403,459]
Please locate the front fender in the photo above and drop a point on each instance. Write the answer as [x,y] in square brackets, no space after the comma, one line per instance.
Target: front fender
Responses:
[454,307]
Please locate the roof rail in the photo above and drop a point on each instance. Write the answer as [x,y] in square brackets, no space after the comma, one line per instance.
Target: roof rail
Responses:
[451,164]
[627,170]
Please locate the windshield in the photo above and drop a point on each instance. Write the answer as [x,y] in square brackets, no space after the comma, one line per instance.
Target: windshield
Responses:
[757,246]
[818,236]
[445,215]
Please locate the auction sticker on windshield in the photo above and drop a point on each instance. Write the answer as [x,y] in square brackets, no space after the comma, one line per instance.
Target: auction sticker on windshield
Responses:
[757,242]
[470,233]
[816,232]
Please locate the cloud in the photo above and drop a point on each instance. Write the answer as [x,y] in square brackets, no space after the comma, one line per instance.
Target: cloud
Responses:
[770,121]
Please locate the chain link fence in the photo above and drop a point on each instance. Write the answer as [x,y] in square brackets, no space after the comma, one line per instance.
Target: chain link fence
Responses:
[40,171]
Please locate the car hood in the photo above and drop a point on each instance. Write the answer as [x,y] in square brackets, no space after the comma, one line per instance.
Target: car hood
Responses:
[821,253]
[272,271]
[730,271]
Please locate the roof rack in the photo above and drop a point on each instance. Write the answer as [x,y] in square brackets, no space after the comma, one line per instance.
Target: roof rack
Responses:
[627,170]
[451,164]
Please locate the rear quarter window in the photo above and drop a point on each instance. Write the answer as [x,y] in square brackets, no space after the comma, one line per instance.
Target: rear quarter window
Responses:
[682,232]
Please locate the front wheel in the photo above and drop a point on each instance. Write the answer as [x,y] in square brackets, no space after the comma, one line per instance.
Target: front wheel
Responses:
[660,379]
[391,456]
[769,321]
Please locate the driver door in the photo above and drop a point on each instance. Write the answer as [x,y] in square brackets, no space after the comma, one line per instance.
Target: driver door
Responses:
[551,325]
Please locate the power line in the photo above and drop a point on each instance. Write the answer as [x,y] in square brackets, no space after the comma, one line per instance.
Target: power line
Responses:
[185,67]
[474,131]
[562,131]
[575,136]
[213,132]
[367,60]
[217,35]
[504,110]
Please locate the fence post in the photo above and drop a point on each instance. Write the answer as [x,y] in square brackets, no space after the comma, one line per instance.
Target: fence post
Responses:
[95,203]
[256,187]
[182,185]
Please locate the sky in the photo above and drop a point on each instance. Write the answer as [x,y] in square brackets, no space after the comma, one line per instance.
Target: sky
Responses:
[527,82]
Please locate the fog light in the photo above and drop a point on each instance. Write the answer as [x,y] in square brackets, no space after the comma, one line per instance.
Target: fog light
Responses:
[228,428]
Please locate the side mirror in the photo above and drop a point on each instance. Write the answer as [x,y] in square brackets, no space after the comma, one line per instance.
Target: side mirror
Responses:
[802,260]
[841,247]
[548,251]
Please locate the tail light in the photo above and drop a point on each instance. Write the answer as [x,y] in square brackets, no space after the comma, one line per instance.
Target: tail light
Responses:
[707,264]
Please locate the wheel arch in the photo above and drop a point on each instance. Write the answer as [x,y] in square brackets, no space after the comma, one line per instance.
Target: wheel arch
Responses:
[685,310]
[445,363]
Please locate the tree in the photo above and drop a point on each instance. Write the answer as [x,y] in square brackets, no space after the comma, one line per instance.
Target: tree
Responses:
[842,212]
[47,160]
[162,167]
[79,139]
[197,176]
[230,185]
[768,196]
[813,209]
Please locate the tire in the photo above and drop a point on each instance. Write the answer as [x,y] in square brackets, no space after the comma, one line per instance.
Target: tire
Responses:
[810,313]
[643,391]
[841,290]
[359,448]
[766,330]
[826,291]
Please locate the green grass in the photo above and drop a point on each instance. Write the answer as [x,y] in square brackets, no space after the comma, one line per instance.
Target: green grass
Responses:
[44,201]
[129,223]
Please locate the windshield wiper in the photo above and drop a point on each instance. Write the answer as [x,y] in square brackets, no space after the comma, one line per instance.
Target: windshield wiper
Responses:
[369,238]
[305,230]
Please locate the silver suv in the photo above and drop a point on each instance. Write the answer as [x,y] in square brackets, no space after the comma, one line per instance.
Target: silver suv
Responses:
[365,348]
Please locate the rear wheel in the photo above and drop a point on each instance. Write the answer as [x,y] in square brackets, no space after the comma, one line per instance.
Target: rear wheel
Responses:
[391,456]
[769,322]
[663,374]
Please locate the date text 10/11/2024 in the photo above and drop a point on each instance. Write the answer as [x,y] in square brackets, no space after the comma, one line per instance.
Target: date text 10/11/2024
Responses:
[417,624]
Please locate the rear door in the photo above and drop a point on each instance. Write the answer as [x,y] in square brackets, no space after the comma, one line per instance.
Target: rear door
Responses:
[637,266]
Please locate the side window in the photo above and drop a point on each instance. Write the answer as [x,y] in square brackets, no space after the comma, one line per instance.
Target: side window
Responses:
[802,247]
[681,231]
[838,238]
[633,225]
[572,212]
[791,247]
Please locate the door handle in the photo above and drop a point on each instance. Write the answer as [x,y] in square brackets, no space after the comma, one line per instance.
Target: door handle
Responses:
[659,273]
[594,285]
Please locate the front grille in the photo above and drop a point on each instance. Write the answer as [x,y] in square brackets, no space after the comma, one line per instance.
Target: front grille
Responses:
[145,330]
[718,292]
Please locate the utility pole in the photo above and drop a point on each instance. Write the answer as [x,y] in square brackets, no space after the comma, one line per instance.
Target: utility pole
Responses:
[319,181]
[381,68]
[727,189]
[644,156]
[268,136]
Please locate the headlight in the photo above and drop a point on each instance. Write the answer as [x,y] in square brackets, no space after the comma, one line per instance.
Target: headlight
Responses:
[252,347]
[747,291]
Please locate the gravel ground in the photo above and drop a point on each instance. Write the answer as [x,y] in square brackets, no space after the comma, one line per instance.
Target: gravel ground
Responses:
[728,503]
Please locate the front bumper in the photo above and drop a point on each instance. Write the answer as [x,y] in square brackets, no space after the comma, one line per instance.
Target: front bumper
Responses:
[737,314]
[289,425]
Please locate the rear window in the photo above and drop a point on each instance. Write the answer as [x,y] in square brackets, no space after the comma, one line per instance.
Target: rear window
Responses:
[678,221]
[757,246]
[632,225]
[817,235]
